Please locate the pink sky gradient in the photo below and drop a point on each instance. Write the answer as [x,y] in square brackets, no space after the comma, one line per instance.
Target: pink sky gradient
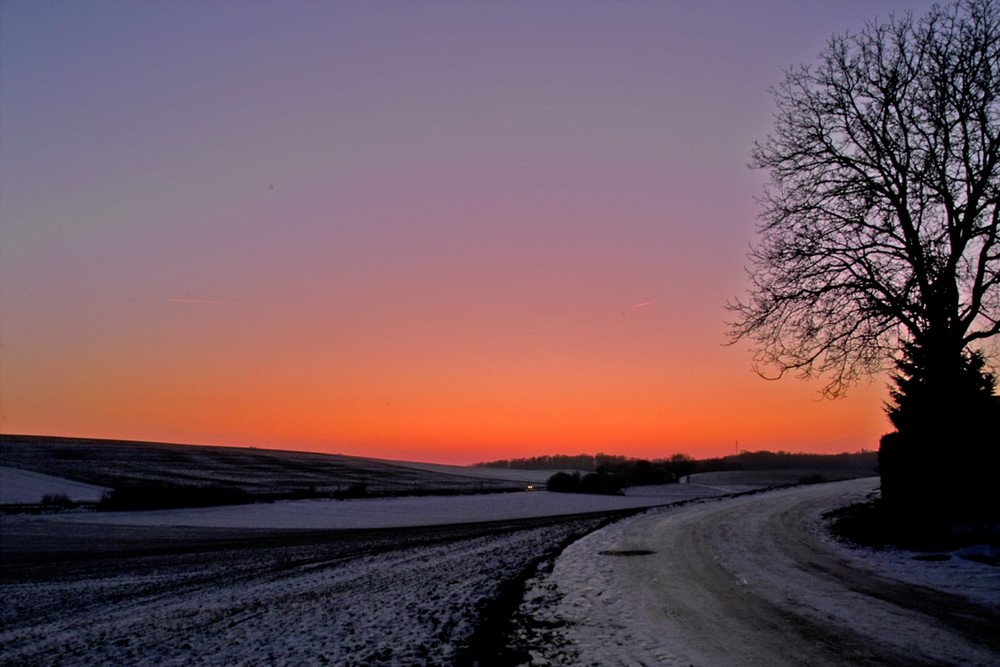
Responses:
[432,230]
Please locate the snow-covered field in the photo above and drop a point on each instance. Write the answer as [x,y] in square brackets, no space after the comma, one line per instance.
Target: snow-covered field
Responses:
[282,582]
[24,486]
[369,599]
[730,581]
[393,512]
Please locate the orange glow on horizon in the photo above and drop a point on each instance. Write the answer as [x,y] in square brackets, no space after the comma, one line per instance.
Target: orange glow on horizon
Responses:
[480,380]
[456,422]
[420,383]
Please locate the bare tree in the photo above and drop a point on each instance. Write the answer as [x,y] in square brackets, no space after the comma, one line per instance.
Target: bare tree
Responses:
[879,227]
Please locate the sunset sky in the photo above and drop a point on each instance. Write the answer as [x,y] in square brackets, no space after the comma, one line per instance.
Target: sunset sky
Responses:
[443,231]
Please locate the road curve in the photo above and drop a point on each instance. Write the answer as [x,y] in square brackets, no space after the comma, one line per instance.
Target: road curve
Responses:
[751,581]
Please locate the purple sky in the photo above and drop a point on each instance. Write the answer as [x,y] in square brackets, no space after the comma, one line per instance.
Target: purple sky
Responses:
[439,230]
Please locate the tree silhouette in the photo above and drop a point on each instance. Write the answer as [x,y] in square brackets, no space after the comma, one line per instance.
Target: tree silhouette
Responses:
[915,404]
[879,239]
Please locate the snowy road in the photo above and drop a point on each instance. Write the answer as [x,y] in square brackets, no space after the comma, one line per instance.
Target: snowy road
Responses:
[753,581]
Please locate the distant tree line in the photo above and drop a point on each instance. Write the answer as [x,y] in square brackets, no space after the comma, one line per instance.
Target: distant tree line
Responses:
[682,465]
[162,496]
[612,478]
[781,460]
[591,482]
[583,474]
[585,462]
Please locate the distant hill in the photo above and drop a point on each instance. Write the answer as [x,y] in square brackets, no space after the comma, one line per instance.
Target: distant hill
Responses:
[170,474]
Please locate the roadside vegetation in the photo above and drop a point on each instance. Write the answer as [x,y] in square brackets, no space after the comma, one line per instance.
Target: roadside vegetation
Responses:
[876,525]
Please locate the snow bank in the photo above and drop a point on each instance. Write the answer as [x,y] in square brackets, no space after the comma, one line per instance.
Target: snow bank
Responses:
[23,486]
[952,572]
[578,613]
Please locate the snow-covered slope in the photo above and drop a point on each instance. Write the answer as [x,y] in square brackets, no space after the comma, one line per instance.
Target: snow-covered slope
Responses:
[24,486]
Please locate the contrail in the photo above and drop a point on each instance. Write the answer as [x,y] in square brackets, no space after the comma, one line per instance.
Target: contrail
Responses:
[209,301]
[643,304]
